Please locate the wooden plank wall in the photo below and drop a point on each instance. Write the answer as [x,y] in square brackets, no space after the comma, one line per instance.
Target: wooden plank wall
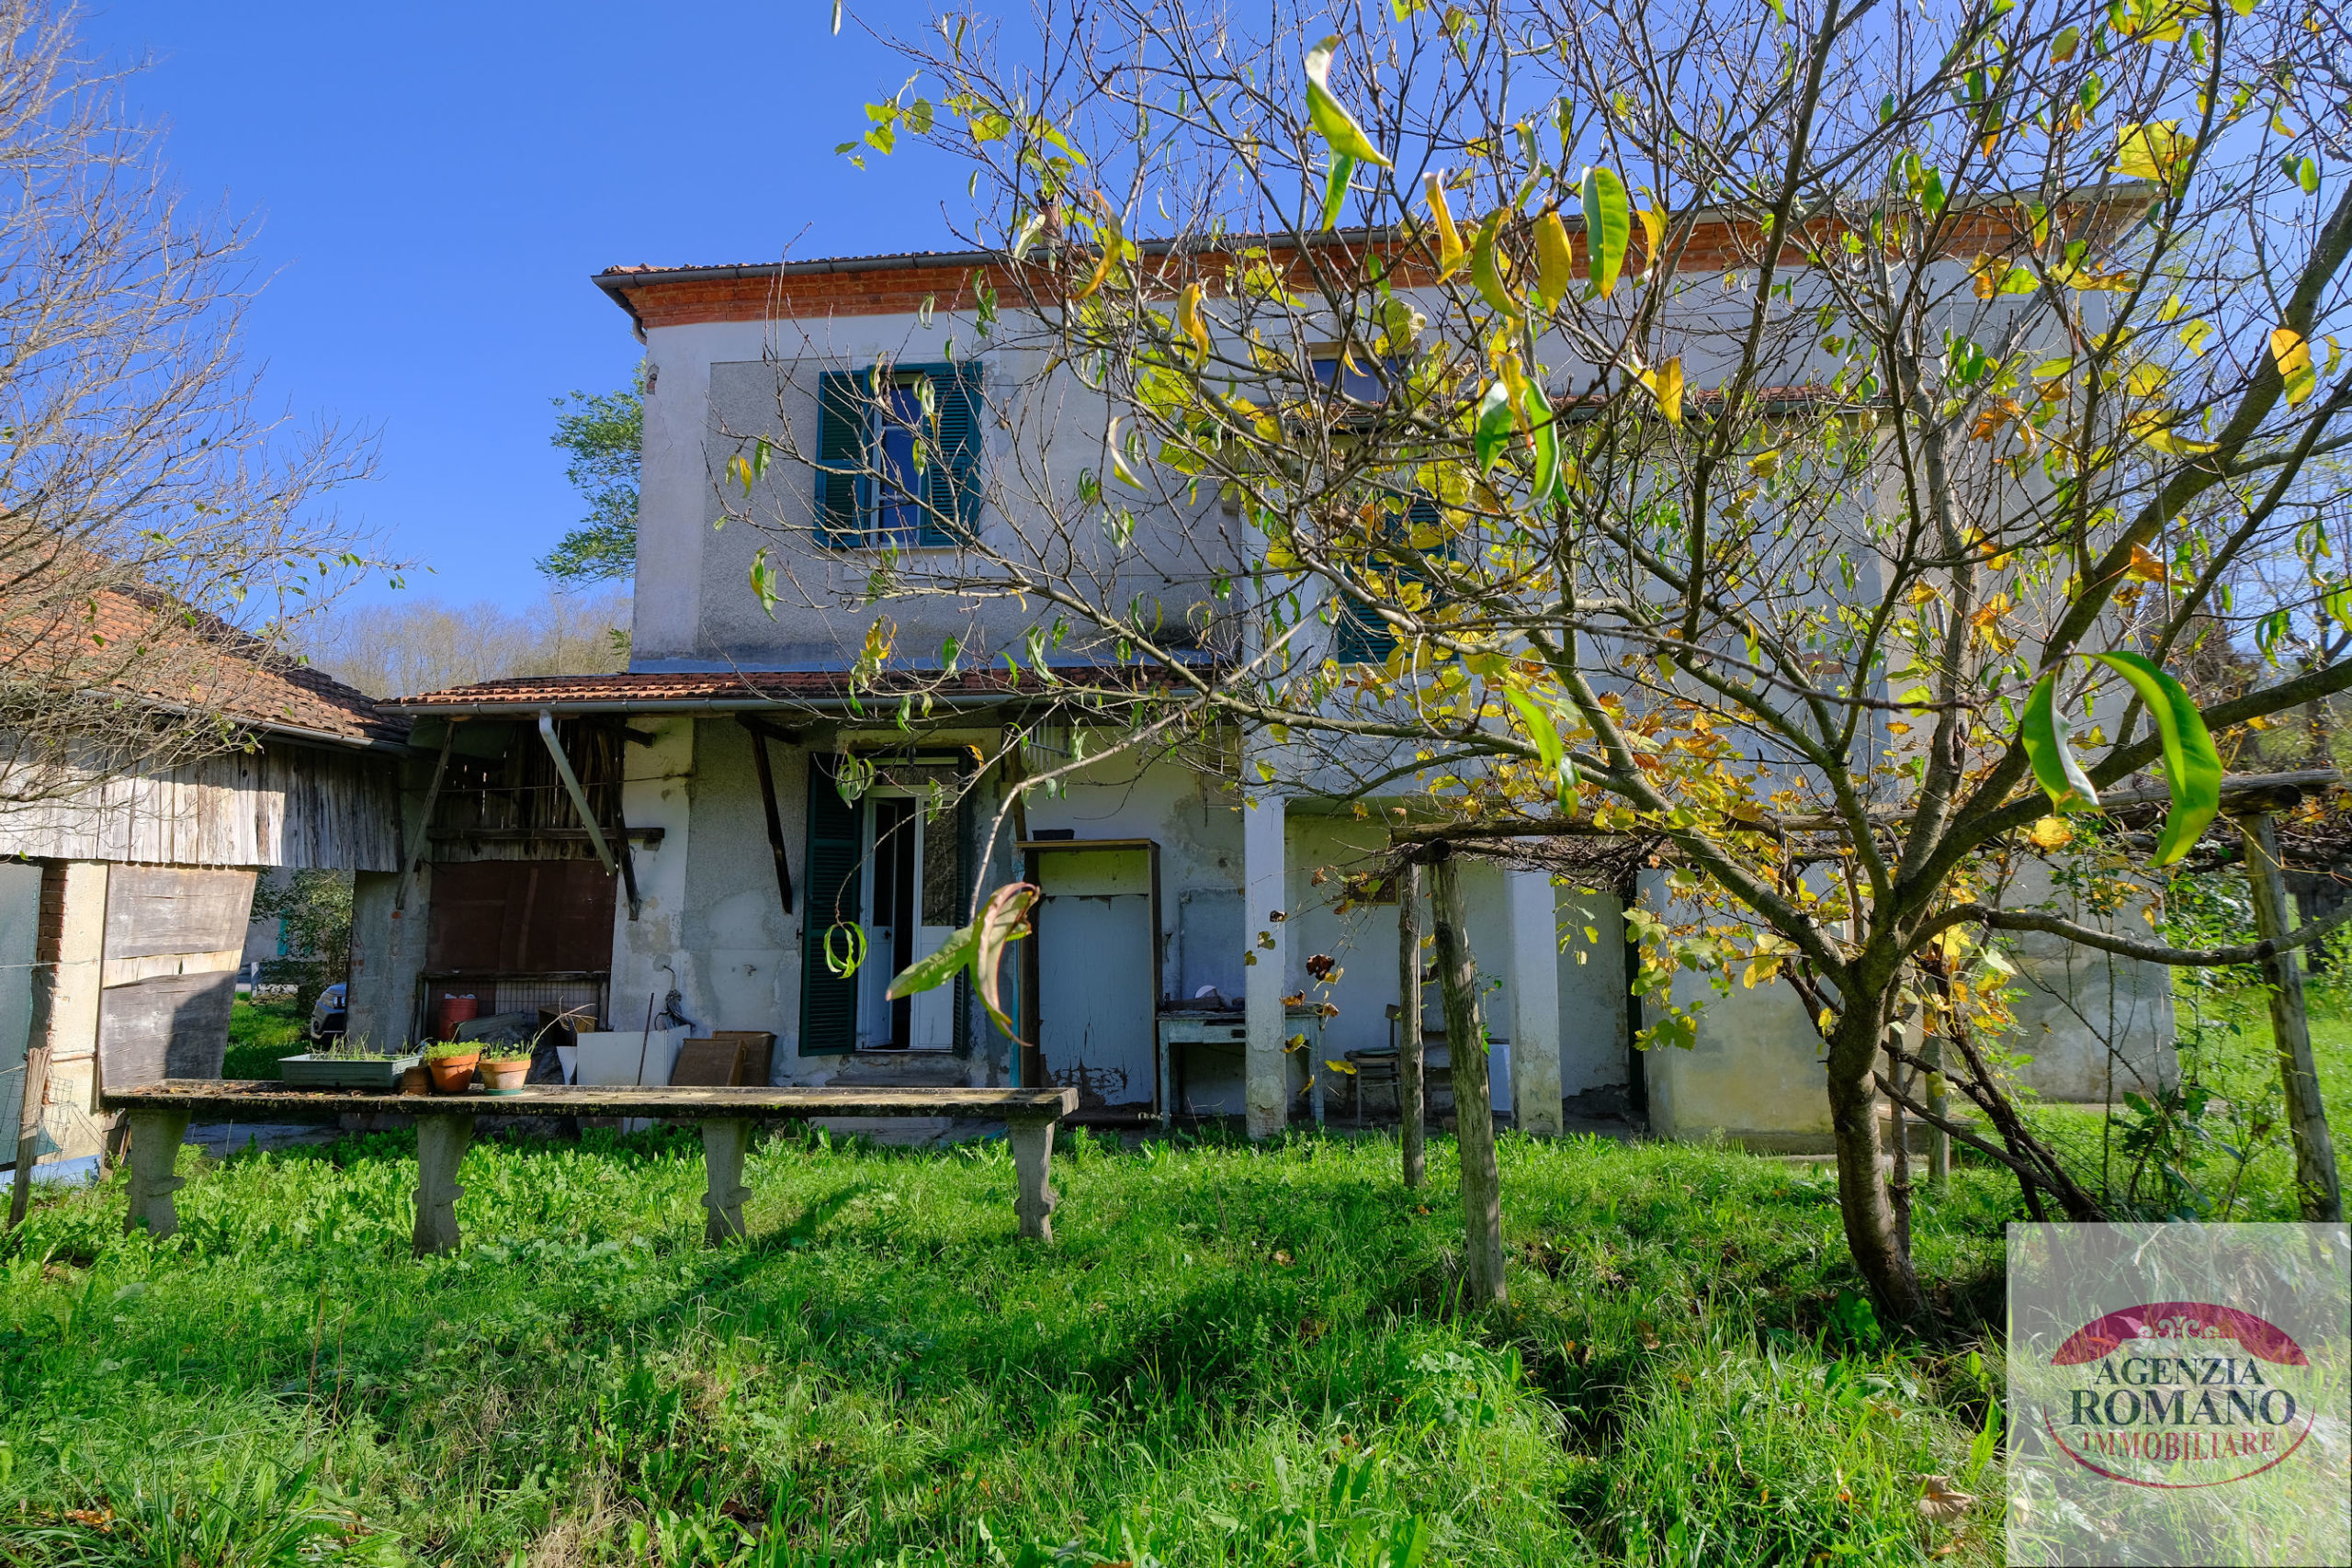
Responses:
[283,805]
[173,939]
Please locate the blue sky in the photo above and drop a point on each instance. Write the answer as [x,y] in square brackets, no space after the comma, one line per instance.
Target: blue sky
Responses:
[432,184]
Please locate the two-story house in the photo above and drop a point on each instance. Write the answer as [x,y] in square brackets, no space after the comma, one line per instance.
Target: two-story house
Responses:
[750,823]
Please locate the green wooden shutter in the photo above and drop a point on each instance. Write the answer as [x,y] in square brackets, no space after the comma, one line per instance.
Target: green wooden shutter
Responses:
[840,456]
[952,489]
[1358,634]
[829,1001]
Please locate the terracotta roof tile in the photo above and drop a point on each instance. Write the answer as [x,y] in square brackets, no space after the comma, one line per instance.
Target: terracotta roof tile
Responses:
[201,664]
[778,686]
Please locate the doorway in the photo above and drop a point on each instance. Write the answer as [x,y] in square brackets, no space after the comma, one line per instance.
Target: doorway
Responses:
[911,887]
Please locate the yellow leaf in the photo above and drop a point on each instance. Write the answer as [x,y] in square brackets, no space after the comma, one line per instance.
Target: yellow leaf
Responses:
[1448,238]
[2294,359]
[2155,149]
[2050,833]
[1188,316]
[2147,566]
[1665,385]
[1652,232]
[1555,260]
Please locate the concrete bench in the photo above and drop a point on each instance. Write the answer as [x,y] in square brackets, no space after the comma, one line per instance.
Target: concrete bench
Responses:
[159,1114]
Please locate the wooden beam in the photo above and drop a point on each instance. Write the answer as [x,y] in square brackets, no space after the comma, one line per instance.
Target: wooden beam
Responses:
[424,820]
[571,787]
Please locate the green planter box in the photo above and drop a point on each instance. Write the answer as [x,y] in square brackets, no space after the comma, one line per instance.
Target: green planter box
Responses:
[307,1071]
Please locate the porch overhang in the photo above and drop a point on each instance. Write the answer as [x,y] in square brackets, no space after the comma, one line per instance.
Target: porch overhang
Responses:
[768,691]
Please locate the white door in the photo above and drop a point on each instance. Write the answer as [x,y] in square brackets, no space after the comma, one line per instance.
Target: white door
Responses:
[911,886]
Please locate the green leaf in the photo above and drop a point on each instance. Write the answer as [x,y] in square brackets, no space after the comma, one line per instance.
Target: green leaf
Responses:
[1608,227]
[1548,745]
[1003,920]
[930,973]
[1495,427]
[1547,444]
[1486,265]
[1335,188]
[2045,734]
[1336,126]
[2193,767]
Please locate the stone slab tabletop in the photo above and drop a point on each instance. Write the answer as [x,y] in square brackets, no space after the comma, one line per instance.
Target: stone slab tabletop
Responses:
[252,1098]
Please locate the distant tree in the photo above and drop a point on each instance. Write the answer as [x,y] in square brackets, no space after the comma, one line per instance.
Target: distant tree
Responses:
[403,647]
[603,432]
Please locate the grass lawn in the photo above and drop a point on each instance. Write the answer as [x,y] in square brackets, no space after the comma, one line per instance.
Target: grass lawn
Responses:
[259,1033]
[1228,1356]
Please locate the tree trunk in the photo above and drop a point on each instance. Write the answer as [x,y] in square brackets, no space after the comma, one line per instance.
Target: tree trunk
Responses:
[2317,1187]
[1871,1232]
[1409,1111]
[1465,1046]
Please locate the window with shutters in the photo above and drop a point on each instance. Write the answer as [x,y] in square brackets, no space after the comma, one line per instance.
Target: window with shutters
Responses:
[899,457]
[1358,634]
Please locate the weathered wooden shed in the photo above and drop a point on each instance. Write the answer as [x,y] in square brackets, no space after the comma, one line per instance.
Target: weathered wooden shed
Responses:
[124,899]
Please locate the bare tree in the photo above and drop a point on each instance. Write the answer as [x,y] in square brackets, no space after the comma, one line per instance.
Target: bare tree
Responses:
[159,535]
[1773,431]
[400,647]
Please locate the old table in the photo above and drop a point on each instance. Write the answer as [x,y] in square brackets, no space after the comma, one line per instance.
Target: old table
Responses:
[159,1114]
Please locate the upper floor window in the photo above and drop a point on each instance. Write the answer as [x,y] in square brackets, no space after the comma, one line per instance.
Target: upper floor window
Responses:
[1358,377]
[1358,633]
[890,472]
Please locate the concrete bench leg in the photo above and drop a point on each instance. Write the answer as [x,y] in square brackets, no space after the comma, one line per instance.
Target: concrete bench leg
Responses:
[154,1148]
[440,1144]
[1032,1155]
[723,1143]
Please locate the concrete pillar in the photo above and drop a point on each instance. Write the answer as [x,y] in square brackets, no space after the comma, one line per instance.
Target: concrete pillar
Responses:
[155,1139]
[441,1142]
[73,940]
[1267,1069]
[1534,1002]
[723,1143]
[1033,1156]
[387,956]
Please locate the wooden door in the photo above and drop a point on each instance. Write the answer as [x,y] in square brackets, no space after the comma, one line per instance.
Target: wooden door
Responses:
[173,938]
[1097,988]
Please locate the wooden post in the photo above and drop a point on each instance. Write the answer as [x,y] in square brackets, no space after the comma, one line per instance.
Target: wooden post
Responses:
[723,1143]
[29,1117]
[155,1139]
[1410,1111]
[37,1048]
[1931,1051]
[441,1139]
[1466,1045]
[1032,1156]
[2317,1187]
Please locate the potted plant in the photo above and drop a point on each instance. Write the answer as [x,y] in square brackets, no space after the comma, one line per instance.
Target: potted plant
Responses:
[504,1069]
[452,1063]
[346,1064]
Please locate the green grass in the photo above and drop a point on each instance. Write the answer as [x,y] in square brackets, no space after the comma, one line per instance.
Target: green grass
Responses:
[2233,1161]
[1227,1356]
[259,1035]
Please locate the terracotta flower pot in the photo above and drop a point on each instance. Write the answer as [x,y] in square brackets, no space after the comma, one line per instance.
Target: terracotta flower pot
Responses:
[506,1077]
[454,1074]
[417,1080]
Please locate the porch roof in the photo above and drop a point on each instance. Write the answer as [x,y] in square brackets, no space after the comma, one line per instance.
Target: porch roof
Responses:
[726,691]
